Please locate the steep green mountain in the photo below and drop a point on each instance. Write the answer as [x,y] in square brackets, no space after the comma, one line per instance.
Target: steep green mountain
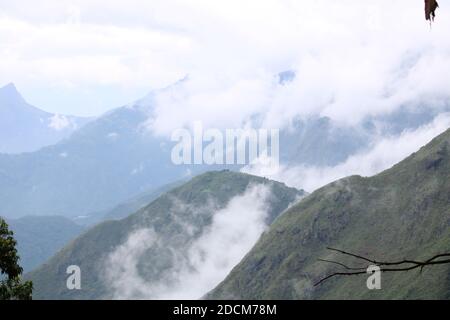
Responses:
[40,237]
[209,222]
[403,212]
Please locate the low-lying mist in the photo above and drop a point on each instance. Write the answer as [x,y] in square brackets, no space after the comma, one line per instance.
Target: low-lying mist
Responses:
[204,262]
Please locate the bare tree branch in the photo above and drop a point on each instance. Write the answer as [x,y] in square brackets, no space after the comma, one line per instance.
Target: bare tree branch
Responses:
[435,260]
[343,265]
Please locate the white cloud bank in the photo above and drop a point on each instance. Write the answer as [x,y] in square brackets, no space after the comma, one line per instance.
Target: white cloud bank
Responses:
[232,233]
[383,155]
[59,122]
[352,57]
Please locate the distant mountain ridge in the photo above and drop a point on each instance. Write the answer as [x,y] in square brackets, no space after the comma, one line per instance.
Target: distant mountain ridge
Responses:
[114,157]
[106,162]
[25,128]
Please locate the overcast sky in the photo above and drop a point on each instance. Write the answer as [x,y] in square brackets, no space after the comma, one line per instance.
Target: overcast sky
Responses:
[85,57]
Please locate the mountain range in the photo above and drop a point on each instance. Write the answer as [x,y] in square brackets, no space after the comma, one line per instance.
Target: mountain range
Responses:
[114,174]
[114,158]
[106,162]
[172,247]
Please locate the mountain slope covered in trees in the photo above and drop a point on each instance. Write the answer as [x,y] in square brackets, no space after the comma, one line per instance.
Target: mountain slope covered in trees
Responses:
[181,237]
[401,213]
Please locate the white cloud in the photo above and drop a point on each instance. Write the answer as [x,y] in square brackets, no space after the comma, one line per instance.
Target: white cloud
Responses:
[59,122]
[233,232]
[87,54]
[384,154]
[211,256]
[121,269]
[352,57]
[112,135]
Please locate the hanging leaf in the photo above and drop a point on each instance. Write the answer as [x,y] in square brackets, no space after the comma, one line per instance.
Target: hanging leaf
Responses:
[430,8]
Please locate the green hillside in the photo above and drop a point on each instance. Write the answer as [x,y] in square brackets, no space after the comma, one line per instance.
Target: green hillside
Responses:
[404,212]
[178,218]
